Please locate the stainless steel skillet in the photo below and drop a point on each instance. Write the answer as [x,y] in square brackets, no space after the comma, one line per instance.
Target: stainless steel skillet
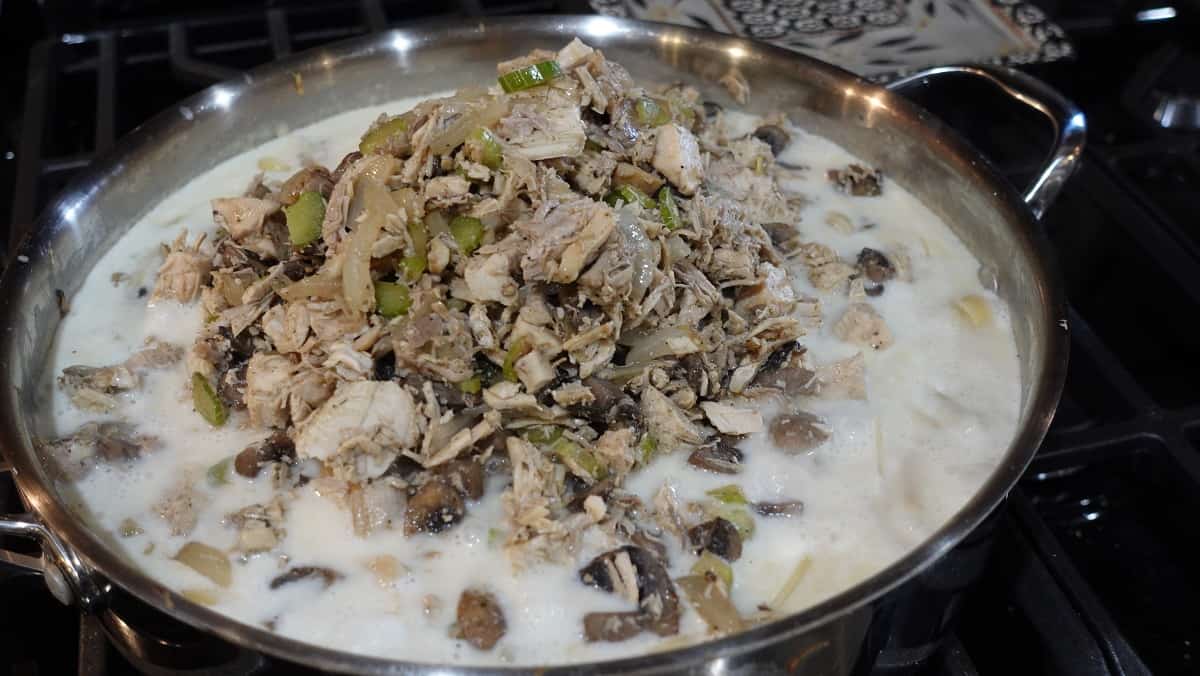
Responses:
[841,635]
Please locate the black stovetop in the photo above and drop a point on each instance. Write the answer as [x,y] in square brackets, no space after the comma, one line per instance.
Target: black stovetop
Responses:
[1095,567]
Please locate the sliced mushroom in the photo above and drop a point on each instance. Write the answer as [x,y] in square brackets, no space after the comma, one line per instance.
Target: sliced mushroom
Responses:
[636,574]
[798,432]
[465,475]
[606,396]
[345,164]
[717,536]
[857,180]
[795,381]
[327,576]
[717,455]
[309,179]
[612,627]
[781,356]
[275,448]
[433,508]
[875,266]
[480,619]
[774,136]
[780,508]
[600,489]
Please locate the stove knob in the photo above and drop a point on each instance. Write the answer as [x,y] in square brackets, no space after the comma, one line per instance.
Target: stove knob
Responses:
[1176,111]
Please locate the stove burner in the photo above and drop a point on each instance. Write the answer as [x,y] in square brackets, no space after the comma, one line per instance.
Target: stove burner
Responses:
[1177,111]
[1166,89]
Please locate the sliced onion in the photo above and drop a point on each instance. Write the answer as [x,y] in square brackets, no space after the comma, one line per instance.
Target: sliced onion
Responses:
[369,209]
[315,286]
[485,113]
[208,561]
[671,341]
[205,597]
[440,433]
[712,603]
[638,247]
[789,586]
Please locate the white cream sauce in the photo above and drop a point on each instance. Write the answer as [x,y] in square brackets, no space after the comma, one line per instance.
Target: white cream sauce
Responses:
[942,408]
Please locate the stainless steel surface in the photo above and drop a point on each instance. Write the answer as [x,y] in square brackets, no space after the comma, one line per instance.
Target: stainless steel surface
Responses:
[1176,111]
[1070,128]
[66,576]
[912,147]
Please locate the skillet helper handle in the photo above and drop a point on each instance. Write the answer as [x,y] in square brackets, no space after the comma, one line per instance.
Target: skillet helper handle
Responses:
[68,579]
[1070,127]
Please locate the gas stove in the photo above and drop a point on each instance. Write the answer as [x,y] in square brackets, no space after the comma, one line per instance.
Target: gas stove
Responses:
[1092,568]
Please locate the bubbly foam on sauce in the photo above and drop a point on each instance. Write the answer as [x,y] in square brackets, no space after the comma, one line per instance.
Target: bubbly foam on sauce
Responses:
[943,405]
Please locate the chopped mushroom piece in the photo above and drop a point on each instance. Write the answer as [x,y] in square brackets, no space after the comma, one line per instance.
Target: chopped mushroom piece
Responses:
[717,536]
[327,576]
[774,136]
[797,432]
[433,508]
[875,266]
[636,575]
[93,443]
[93,389]
[781,508]
[275,448]
[480,619]
[857,180]
[717,455]
[465,476]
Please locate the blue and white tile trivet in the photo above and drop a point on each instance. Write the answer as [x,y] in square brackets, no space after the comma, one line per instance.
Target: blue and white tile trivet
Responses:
[874,38]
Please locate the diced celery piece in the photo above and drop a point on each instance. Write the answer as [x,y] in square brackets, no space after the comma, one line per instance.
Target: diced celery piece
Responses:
[543,435]
[467,232]
[575,456]
[392,299]
[304,218]
[711,563]
[218,473]
[651,113]
[489,147]
[206,401]
[730,494]
[519,348]
[529,76]
[629,195]
[668,210]
[648,447]
[373,139]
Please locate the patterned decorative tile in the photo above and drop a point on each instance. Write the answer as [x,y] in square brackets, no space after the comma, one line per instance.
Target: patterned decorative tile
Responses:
[878,39]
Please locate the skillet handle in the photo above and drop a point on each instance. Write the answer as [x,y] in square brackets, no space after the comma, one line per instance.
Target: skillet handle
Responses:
[1070,127]
[68,579]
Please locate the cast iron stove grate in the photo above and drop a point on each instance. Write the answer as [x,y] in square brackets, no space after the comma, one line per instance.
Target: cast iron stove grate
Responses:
[1093,567]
